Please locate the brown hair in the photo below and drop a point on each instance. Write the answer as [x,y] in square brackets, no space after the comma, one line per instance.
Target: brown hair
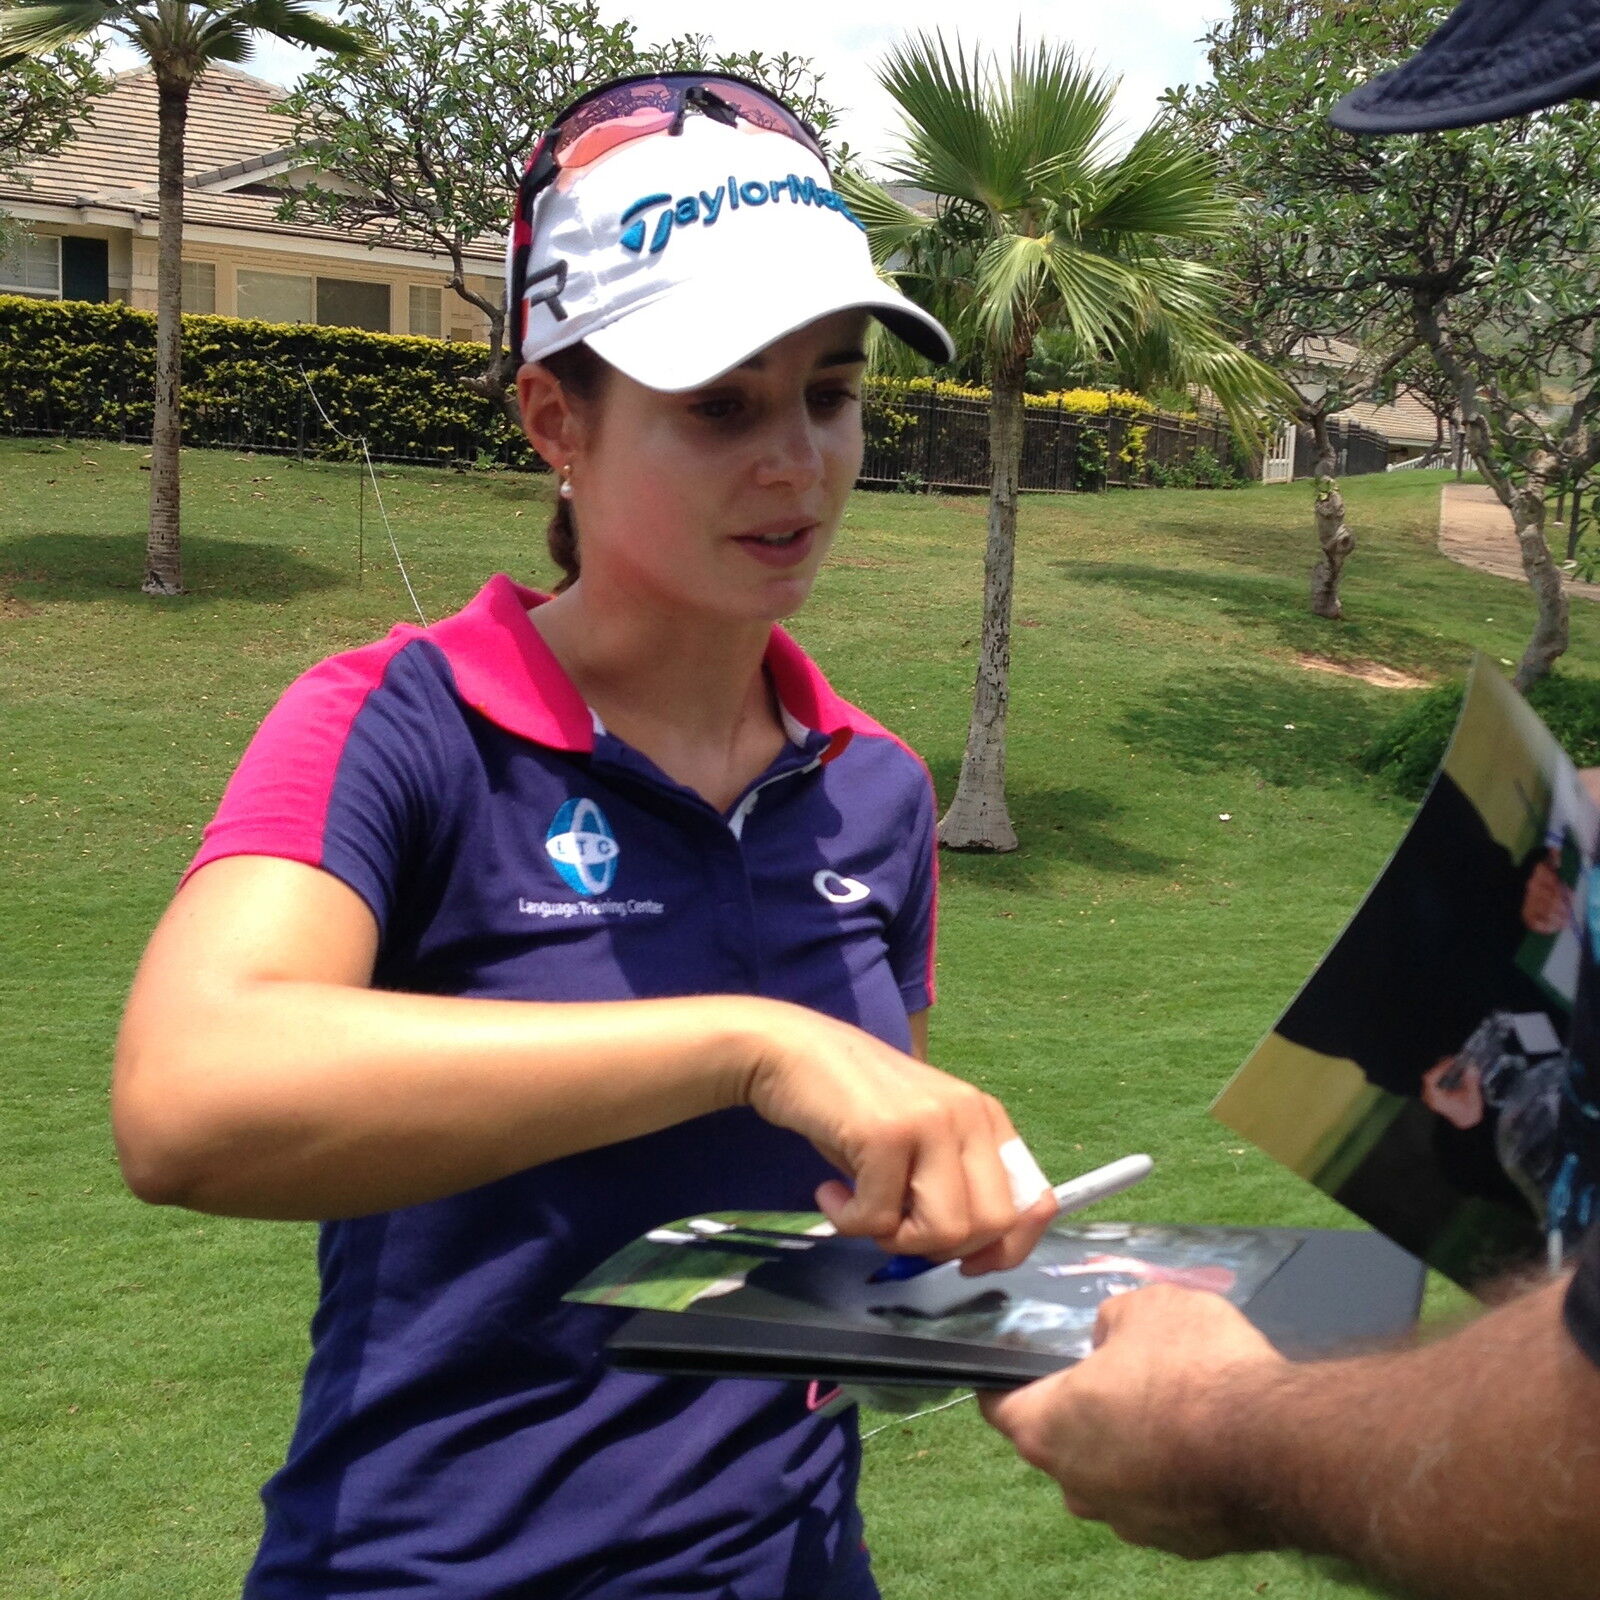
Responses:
[582,374]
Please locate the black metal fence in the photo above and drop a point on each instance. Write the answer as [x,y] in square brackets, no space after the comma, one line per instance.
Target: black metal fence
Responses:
[1359,450]
[924,439]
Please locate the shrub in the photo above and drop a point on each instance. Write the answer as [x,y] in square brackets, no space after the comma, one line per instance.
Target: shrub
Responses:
[1135,452]
[1409,749]
[1082,402]
[79,368]
[1202,469]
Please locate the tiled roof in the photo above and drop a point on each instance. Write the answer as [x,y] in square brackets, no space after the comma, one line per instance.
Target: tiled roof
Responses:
[1326,351]
[232,129]
[908,194]
[1406,420]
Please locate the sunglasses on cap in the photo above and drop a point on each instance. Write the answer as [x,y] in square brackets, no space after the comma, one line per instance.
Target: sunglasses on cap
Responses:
[617,113]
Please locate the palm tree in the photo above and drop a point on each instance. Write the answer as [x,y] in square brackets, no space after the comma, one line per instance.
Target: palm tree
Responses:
[179,39]
[1039,224]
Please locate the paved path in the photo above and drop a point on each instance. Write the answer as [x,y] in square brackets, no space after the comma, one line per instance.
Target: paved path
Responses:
[1475,529]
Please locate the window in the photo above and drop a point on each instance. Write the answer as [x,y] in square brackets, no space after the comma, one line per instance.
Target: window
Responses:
[275,296]
[199,286]
[289,297]
[426,316]
[32,266]
[85,268]
[349,304]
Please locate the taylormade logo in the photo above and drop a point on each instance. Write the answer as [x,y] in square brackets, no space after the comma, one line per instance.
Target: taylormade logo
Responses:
[708,206]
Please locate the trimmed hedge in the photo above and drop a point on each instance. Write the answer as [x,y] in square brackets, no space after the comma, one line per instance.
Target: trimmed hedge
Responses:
[1409,749]
[75,368]
[72,367]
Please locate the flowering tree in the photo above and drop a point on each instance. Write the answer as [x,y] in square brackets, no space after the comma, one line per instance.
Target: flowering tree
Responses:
[41,101]
[1478,246]
[430,132]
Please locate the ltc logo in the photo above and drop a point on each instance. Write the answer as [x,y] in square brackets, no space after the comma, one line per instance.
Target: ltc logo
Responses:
[583,847]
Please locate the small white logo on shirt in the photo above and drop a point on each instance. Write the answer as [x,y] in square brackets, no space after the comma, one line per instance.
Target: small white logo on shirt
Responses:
[841,891]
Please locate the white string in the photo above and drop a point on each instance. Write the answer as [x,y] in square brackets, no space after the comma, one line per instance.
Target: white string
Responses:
[944,1405]
[377,493]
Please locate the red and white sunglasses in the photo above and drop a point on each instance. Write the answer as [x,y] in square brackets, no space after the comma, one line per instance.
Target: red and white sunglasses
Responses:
[615,114]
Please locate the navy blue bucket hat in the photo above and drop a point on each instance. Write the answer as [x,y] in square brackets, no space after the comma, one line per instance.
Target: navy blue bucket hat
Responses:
[1490,59]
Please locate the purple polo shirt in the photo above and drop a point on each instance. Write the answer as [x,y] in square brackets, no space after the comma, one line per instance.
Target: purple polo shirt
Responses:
[459,1435]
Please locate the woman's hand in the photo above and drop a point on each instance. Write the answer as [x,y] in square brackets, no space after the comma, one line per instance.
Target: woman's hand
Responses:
[921,1148]
[1547,901]
[1452,1092]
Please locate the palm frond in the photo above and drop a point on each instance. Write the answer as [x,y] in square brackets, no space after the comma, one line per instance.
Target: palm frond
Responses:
[1164,187]
[1186,288]
[222,36]
[34,27]
[946,98]
[1197,353]
[1007,283]
[1092,293]
[893,228]
[1021,281]
[299,24]
[1054,116]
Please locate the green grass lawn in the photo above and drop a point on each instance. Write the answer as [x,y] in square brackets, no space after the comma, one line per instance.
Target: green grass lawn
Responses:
[1104,980]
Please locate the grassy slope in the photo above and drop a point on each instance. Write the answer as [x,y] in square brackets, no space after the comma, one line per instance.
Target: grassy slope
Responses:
[1104,981]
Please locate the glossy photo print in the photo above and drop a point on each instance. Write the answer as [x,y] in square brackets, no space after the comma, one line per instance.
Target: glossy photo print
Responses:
[1423,1075]
[778,1267]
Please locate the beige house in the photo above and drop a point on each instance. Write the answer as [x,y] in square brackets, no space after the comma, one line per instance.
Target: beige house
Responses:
[91,228]
[1405,421]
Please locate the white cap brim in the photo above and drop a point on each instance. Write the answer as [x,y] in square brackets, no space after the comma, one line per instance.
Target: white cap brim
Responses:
[654,346]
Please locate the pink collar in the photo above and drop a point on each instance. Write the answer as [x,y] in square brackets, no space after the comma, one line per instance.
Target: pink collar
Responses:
[505,671]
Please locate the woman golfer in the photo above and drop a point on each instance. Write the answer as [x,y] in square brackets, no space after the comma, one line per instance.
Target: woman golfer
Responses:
[518,935]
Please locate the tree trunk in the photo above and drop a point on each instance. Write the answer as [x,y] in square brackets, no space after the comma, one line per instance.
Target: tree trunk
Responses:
[1524,502]
[163,571]
[977,818]
[496,380]
[495,383]
[1549,640]
[1328,513]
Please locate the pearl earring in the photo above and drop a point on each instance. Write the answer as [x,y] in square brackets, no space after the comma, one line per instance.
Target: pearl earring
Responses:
[566,482]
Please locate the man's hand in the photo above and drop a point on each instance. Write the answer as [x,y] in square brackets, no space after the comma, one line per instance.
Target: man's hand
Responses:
[1129,1433]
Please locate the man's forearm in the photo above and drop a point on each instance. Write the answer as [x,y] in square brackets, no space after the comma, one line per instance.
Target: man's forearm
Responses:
[1466,1468]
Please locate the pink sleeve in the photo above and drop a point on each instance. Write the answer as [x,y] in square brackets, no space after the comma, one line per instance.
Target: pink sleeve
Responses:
[278,801]
[913,934]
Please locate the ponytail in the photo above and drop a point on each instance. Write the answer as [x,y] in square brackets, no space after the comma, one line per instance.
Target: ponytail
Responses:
[562,538]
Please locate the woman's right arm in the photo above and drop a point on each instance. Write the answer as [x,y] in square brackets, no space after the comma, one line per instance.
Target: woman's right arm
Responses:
[259,1075]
